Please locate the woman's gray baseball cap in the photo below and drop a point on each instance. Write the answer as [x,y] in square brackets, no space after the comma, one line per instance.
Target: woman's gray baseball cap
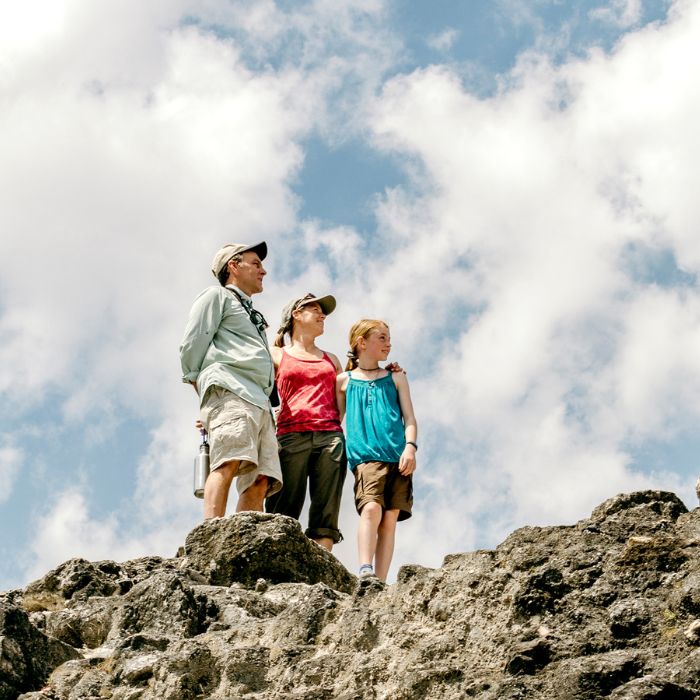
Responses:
[225,253]
[327,304]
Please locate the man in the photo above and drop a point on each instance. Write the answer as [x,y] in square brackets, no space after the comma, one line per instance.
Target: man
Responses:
[225,356]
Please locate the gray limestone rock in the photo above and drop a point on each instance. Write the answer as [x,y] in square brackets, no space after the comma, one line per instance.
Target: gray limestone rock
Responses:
[27,655]
[244,548]
[606,608]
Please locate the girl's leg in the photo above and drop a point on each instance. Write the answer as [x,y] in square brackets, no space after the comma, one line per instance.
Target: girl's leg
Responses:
[370,517]
[385,542]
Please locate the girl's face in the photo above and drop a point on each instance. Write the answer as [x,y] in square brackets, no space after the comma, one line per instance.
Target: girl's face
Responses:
[376,345]
[311,317]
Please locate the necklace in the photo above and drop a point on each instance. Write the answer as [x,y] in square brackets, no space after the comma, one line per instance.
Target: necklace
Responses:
[372,369]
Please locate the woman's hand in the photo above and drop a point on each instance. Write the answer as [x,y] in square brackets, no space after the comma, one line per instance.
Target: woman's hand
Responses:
[407,461]
[199,425]
[395,367]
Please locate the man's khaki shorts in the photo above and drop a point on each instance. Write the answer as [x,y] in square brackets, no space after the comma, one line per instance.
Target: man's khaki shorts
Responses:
[241,431]
[381,482]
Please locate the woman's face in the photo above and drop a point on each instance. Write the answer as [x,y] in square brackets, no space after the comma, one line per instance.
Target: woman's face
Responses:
[310,317]
[377,345]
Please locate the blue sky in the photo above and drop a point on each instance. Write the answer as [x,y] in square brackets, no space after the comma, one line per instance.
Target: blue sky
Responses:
[509,184]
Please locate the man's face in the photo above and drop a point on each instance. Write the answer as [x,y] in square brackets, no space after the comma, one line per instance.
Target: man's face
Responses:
[248,273]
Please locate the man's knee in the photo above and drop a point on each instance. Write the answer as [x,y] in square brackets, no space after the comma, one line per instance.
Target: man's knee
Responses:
[227,471]
[260,484]
[258,489]
[253,497]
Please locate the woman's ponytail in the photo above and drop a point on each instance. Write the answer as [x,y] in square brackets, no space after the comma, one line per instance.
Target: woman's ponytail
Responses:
[279,338]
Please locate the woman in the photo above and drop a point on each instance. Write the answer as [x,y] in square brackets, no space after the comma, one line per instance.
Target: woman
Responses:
[312,446]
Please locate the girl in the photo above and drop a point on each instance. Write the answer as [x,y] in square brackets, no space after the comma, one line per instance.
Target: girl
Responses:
[381,443]
[311,442]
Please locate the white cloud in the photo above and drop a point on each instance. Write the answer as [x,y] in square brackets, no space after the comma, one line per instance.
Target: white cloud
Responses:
[621,13]
[147,181]
[23,25]
[535,358]
[533,196]
[444,40]
[135,142]
[656,375]
[70,530]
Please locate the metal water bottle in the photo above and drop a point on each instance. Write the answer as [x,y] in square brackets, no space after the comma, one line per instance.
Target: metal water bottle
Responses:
[201,466]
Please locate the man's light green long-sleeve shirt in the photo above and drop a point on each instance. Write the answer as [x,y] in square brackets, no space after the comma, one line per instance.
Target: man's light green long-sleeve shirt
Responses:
[222,347]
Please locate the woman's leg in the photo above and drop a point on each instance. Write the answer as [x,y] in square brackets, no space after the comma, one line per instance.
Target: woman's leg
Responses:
[327,469]
[294,455]
[386,533]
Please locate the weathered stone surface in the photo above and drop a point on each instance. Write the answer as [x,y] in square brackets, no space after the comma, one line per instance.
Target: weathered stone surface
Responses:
[76,578]
[650,688]
[606,608]
[245,548]
[27,656]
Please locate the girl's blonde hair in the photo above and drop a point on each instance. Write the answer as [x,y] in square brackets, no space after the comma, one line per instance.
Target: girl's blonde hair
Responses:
[361,329]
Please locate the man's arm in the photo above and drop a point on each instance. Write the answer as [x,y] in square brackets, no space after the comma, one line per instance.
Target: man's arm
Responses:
[204,320]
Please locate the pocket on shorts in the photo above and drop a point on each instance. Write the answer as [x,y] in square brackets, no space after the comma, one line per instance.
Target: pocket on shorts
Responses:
[213,405]
[231,438]
[225,421]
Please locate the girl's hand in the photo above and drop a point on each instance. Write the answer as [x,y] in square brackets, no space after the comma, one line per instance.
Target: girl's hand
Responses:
[407,461]
[395,367]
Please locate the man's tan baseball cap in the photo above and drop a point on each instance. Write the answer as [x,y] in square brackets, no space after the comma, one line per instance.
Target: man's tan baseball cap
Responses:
[224,254]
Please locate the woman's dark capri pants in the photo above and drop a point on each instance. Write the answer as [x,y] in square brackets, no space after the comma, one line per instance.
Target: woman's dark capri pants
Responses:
[317,458]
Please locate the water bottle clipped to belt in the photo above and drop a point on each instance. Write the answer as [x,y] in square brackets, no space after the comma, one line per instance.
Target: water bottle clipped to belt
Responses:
[201,466]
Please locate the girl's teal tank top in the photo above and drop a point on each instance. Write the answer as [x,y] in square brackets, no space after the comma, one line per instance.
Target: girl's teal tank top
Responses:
[374,424]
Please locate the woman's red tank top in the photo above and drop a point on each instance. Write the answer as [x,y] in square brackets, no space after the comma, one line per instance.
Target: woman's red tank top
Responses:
[307,395]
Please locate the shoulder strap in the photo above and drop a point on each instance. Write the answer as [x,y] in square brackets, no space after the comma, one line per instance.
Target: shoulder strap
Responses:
[237,295]
[256,318]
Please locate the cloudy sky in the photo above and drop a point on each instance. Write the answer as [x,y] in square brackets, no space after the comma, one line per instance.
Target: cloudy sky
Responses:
[511,184]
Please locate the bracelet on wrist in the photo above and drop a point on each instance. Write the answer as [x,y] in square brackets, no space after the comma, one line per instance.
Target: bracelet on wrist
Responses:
[410,442]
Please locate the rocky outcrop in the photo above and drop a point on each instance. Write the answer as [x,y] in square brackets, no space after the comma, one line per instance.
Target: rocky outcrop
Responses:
[606,608]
